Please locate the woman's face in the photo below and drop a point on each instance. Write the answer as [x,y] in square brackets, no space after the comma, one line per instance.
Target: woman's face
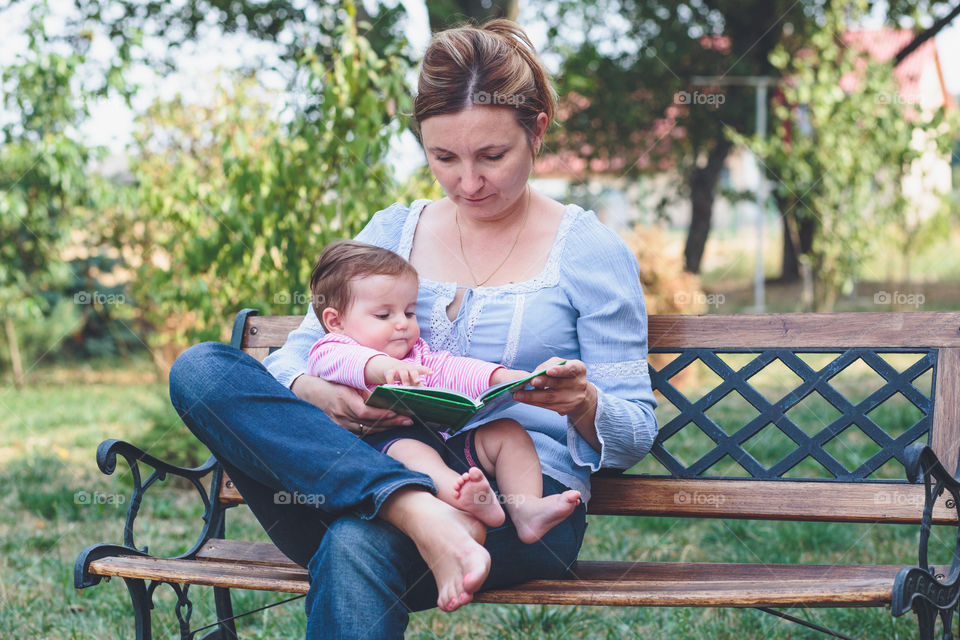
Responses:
[482,158]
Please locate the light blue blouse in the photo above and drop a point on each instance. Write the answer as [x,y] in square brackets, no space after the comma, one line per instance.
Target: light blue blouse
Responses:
[586,304]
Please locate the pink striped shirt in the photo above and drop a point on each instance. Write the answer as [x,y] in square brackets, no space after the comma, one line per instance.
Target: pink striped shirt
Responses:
[339,358]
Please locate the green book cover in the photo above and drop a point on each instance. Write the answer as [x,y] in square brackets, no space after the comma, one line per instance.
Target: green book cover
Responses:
[444,409]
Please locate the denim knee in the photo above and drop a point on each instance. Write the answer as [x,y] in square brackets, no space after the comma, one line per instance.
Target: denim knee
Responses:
[194,365]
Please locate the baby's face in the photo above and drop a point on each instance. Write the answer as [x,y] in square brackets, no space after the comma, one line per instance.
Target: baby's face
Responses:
[383,315]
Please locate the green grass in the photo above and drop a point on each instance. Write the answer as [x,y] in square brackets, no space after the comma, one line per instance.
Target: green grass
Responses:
[49,433]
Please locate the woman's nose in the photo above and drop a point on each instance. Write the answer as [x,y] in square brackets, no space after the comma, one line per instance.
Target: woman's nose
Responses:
[471,181]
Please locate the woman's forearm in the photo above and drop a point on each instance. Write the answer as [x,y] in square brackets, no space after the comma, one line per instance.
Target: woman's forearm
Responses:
[584,419]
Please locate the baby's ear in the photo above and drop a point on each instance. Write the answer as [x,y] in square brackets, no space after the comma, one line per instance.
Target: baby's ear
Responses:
[332,319]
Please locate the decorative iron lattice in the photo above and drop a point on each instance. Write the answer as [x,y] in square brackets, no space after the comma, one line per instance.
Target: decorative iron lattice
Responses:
[853,413]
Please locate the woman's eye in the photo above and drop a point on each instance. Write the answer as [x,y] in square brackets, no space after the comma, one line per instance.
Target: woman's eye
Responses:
[494,157]
[444,158]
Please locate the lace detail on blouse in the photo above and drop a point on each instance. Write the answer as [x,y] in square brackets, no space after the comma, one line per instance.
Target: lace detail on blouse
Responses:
[513,335]
[442,337]
[405,246]
[626,369]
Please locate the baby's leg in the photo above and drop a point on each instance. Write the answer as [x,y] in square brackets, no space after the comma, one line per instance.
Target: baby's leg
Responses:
[507,452]
[470,491]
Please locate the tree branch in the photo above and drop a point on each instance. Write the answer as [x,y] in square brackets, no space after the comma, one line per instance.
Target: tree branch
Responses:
[926,35]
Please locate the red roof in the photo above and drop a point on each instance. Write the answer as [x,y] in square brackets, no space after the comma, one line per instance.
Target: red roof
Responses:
[883,45]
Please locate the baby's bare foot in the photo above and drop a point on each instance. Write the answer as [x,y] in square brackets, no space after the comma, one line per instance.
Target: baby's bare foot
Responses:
[533,518]
[473,494]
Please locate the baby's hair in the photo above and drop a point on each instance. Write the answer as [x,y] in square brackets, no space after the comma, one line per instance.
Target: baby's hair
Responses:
[493,65]
[345,260]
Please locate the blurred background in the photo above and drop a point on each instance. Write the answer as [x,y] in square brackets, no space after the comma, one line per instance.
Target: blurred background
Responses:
[165,164]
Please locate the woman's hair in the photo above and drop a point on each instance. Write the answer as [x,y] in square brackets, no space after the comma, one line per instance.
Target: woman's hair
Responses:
[345,260]
[494,65]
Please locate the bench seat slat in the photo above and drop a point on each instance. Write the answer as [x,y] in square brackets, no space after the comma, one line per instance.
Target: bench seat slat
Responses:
[763,500]
[211,574]
[753,499]
[261,566]
[910,329]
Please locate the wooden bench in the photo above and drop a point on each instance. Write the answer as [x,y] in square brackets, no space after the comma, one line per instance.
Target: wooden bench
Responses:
[734,348]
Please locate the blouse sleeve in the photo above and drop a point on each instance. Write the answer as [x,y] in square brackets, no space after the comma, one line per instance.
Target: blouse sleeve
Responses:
[289,362]
[602,279]
[466,375]
[340,359]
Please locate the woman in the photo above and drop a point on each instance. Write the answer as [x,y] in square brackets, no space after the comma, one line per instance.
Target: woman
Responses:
[507,275]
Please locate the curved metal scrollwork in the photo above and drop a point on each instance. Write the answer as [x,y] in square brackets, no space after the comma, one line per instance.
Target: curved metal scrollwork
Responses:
[920,589]
[213,517]
[183,609]
[107,454]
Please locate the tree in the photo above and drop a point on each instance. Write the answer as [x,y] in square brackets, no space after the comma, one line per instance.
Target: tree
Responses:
[448,13]
[841,151]
[629,83]
[643,104]
[44,182]
[238,200]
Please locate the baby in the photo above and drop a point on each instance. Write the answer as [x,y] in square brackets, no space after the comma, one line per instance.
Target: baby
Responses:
[366,299]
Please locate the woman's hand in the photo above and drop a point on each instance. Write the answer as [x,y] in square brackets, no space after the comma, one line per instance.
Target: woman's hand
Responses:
[565,389]
[345,406]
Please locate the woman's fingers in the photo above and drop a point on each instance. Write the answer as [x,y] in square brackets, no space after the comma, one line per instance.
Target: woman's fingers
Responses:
[562,389]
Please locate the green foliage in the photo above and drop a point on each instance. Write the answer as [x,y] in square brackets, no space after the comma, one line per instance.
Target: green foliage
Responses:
[41,172]
[238,197]
[844,143]
[43,184]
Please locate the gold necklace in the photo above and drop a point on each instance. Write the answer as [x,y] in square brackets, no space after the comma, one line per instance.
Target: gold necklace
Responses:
[480,283]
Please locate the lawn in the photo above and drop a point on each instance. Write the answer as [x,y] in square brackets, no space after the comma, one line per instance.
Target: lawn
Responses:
[56,502]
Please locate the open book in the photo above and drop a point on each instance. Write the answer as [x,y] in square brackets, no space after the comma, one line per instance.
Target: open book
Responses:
[445,409]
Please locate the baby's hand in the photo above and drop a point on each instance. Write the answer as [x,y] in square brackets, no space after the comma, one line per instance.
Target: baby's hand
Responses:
[406,374]
[382,369]
[506,375]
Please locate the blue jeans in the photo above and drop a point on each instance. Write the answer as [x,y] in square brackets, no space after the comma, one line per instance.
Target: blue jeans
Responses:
[316,489]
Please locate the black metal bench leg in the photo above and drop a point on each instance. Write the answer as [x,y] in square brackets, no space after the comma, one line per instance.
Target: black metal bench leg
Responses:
[946,617]
[226,629]
[142,604]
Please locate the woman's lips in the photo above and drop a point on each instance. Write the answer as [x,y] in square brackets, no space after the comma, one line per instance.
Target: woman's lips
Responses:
[476,200]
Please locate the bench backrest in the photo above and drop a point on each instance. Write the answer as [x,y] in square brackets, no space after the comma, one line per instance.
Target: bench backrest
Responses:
[844,464]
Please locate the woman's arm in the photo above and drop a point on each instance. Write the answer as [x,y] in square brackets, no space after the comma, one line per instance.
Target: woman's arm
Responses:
[606,394]
[343,404]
